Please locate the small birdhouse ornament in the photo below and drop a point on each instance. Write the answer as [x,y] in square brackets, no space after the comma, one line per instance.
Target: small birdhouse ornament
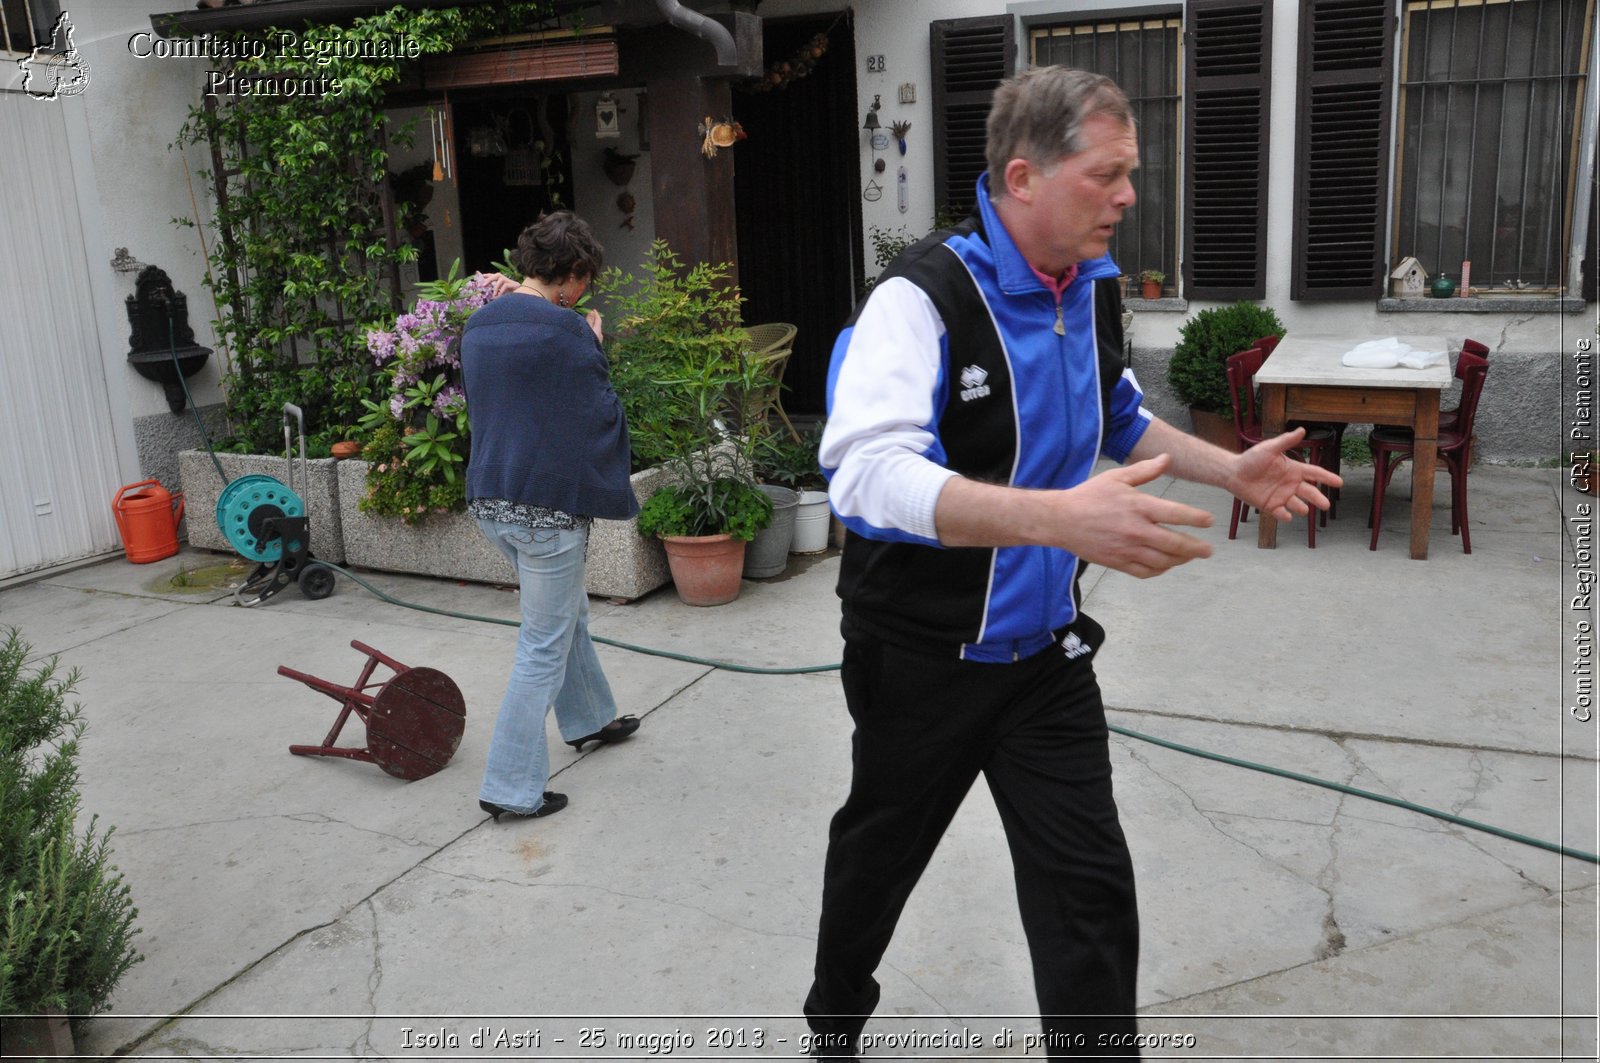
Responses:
[1409,280]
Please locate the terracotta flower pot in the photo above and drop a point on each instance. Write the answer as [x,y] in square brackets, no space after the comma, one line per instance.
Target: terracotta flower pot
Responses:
[1214,428]
[705,568]
[1150,289]
[345,448]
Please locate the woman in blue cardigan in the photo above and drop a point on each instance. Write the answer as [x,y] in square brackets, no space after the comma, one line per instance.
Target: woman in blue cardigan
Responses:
[549,454]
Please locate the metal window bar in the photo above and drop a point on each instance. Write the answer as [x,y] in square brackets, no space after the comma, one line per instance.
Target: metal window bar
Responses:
[1548,80]
[1142,57]
[25,24]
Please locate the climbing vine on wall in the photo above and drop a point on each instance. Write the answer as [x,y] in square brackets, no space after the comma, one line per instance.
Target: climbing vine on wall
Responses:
[302,259]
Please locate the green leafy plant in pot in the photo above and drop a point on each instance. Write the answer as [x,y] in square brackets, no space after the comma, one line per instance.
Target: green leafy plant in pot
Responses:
[1198,371]
[66,917]
[681,367]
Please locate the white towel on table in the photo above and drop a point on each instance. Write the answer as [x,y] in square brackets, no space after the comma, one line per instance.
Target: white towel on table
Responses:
[1391,353]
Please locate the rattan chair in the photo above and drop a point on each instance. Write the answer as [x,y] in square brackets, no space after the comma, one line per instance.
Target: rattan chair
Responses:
[771,344]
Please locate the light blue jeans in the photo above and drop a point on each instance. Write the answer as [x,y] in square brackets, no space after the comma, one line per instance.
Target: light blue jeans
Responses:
[556,664]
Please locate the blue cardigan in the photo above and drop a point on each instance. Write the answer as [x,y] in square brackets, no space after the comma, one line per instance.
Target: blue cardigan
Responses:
[547,429]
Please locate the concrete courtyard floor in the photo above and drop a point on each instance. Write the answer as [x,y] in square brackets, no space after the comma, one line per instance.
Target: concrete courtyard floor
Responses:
[319,908]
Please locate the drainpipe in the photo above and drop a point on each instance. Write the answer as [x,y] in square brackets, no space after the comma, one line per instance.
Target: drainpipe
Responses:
[705,28]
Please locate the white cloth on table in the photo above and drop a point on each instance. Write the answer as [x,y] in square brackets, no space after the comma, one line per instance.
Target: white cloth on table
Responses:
[1391,353]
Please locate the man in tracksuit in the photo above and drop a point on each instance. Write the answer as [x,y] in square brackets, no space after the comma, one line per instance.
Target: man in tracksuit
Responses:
[968,401]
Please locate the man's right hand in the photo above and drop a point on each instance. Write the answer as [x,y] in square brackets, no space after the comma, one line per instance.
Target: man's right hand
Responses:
[1106,520]
[1112,523]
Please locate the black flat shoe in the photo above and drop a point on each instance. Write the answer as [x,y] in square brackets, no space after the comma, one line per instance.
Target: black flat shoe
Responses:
[553,803]
[615,731]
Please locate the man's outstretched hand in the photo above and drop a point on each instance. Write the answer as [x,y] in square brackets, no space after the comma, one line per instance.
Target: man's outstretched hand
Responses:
[1267,478]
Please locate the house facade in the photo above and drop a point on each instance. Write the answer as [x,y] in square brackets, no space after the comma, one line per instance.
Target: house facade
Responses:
[1295,152]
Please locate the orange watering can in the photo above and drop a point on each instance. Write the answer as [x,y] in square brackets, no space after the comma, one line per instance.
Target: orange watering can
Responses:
[148,520]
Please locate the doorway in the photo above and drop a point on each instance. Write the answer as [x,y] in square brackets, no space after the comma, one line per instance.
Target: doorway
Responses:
[513,163]
[796,182]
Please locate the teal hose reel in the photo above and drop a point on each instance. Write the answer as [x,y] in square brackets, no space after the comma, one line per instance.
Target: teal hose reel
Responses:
[244,508]
[265,520]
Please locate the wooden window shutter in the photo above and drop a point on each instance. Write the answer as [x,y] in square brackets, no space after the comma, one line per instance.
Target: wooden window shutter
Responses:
[1341,185]
[970,57]
[1227,103]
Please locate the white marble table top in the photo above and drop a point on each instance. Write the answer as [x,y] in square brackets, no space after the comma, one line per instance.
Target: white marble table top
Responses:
[1309,358]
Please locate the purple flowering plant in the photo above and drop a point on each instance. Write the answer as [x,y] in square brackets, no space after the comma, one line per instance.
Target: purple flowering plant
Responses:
[417,438]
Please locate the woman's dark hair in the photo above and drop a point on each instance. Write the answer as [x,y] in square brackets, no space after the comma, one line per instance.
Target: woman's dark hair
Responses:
[557,246]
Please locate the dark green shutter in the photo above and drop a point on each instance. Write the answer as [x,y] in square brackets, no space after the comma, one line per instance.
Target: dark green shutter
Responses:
[1341,180]
[1227,104]
[970,57]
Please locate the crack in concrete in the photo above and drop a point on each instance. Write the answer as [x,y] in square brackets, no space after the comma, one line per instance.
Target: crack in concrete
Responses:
[1388,942]
[944,1011]
[1210,816]
[490,880]
[187,1010]
[298,817]
[374,983]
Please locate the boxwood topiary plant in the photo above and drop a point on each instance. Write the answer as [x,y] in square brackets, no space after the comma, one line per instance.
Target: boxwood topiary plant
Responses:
[1198,370]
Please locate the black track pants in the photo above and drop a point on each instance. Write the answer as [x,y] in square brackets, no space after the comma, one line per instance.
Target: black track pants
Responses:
[925,728]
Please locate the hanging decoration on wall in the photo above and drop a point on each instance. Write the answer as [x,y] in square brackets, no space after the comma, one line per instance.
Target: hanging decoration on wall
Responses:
[627,204]
[796,66]
[607,118]
[900,129]
[718,134]
[903,190]
[873,192]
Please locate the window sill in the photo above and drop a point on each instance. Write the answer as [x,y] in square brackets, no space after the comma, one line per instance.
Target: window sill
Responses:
[1485,304]
[1172,305]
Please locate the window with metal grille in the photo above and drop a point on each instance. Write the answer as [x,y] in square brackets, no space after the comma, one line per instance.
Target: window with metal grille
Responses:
[1491,105]
[1143,57]
[24,24]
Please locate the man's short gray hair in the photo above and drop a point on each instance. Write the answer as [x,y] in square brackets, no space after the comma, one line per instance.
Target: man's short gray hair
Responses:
[1038,115]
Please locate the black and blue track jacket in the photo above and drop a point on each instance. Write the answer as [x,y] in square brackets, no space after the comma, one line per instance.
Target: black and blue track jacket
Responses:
[964,362]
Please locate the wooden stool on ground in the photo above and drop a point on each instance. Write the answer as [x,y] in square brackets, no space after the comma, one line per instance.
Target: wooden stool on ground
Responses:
[414,719]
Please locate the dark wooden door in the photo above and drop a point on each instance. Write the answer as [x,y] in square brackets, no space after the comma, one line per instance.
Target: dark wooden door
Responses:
[797,185]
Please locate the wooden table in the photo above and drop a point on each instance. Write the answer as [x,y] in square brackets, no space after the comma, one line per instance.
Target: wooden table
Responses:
[1305,380]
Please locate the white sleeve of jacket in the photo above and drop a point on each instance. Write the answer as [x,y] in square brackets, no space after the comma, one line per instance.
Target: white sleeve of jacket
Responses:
[879,447]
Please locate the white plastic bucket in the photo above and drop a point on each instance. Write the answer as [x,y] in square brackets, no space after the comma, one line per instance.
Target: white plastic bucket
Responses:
[811,523]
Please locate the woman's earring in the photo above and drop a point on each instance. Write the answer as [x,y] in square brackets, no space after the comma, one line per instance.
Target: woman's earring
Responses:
[561,298]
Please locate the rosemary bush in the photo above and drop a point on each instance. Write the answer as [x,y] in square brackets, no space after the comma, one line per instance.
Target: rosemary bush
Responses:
[66,917]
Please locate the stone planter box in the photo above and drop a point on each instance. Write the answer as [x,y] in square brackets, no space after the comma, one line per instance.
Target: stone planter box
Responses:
[621,562]
[319,490]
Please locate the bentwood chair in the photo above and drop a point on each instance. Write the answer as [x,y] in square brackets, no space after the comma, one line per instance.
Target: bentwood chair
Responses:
[1447,418]
[1247,429]
[1391,446]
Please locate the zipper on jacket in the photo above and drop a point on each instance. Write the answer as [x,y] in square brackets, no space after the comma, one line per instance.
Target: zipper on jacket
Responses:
[1061,326]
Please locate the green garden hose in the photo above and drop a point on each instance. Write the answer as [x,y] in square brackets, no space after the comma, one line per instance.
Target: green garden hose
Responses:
[726,666]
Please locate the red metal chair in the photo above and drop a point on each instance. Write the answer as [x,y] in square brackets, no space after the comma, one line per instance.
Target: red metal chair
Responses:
[1242,368]
[1391,446]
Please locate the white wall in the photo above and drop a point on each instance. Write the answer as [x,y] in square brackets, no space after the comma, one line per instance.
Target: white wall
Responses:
[132,110]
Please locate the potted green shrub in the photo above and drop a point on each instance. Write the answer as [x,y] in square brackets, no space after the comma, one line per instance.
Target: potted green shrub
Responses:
[1150,282]
[679,365]
[1198,371]
[66,918]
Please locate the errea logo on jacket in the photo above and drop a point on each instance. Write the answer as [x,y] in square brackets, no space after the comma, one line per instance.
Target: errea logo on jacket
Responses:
[972,383]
